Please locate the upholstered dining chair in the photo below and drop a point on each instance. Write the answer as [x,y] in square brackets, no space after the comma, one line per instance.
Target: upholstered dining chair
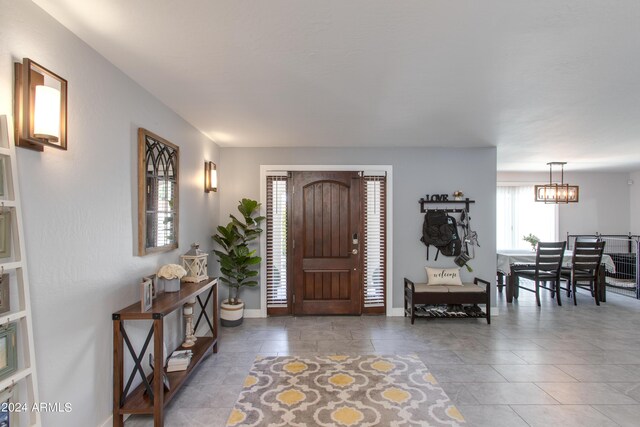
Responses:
[585,267]
[546,270]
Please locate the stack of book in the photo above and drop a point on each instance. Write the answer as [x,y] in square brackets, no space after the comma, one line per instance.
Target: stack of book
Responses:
[179,360]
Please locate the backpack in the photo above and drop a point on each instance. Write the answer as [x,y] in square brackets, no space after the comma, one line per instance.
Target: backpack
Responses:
[440,230]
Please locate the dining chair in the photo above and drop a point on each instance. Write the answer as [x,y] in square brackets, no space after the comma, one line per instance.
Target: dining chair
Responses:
[591,238]
[546,270]
[585,267]
[587,238]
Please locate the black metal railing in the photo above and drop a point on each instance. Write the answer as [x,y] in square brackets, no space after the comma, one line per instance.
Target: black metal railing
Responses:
[624,250]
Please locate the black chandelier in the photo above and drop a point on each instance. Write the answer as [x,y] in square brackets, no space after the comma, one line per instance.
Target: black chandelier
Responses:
[557,192]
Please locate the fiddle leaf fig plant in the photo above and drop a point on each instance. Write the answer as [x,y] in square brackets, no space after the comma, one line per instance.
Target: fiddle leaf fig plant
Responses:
[238,263]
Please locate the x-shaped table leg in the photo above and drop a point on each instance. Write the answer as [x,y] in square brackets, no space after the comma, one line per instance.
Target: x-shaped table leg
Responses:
[137,361]
[203,311]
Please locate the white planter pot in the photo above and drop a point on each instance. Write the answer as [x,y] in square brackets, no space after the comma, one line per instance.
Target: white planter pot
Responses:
[171,285]
[231,315]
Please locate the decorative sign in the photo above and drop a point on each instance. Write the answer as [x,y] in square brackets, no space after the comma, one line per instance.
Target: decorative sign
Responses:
[437,198]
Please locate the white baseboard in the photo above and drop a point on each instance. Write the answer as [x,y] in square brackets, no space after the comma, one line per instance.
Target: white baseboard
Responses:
[253,313]
[256,313]
[396,312]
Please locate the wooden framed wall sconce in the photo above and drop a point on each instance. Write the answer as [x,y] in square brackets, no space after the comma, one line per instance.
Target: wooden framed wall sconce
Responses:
[210,177]
[40,107]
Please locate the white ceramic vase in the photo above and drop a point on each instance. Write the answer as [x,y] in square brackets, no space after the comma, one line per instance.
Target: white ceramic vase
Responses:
[171,285]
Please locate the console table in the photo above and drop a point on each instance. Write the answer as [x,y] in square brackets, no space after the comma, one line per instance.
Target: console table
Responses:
[150,397]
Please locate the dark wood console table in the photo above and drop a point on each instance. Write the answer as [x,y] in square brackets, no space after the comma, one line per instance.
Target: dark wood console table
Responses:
[151,397]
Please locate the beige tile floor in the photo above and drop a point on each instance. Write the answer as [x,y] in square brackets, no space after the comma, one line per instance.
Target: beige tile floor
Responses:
[548,366]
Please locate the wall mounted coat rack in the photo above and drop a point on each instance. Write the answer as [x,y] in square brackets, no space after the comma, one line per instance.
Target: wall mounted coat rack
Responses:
[444,201]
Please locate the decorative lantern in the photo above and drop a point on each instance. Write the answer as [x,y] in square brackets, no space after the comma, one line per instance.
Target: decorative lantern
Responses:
[195,262]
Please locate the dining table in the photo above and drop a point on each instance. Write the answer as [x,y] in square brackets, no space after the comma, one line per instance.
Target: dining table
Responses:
[514,259]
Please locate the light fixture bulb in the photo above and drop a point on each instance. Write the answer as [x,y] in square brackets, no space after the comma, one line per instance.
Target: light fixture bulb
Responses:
[214,179]
[46,116]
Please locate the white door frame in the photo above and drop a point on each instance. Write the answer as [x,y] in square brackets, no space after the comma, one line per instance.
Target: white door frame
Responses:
[265,169]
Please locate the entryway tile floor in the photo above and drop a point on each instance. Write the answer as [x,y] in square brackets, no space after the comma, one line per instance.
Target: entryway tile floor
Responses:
[570,365]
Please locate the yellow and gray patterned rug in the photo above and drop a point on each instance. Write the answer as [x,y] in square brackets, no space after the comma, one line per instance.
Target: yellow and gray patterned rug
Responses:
[342,391]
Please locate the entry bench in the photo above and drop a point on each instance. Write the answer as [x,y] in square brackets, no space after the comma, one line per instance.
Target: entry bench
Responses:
[477,292]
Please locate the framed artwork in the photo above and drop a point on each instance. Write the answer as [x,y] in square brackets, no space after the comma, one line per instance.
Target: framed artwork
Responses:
[154,286]
[5,233]
[4,296]
[8,350]
[6,406]
[146,295]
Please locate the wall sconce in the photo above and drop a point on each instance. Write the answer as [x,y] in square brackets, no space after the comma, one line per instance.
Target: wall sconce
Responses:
[210,177]
[40,107]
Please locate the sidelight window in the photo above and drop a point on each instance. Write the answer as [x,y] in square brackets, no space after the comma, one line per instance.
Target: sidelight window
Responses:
[277,241]
[374,273]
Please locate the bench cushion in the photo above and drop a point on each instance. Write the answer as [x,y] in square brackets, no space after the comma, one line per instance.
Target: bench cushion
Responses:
[423,287]
[466,287]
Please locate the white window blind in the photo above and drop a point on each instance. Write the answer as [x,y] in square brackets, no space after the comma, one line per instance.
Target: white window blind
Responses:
[374,240]
[164,227]
[518,214]
[276,241]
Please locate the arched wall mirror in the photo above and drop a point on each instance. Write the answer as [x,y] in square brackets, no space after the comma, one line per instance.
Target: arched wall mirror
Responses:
[158,167]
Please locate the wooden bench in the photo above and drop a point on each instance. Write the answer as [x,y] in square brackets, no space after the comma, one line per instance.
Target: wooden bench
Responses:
[468,293]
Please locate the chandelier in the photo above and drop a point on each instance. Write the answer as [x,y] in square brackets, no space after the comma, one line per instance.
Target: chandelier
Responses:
[554,192]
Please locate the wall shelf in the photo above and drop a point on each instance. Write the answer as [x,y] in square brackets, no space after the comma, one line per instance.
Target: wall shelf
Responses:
[466,202]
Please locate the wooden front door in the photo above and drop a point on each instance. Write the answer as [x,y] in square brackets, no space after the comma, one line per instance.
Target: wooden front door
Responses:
[326,243]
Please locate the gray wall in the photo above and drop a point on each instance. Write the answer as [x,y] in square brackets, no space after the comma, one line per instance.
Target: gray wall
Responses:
[80,210]
[604,201]
[416,172]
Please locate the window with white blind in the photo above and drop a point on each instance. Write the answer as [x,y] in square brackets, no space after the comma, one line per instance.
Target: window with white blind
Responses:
[276,242]
[374,243]
[518,215]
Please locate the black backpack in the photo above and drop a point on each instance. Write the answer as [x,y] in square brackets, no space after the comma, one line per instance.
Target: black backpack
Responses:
[440,230]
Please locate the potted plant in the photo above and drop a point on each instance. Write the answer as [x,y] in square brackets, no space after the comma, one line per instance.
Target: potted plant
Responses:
[238,263]
[532,240]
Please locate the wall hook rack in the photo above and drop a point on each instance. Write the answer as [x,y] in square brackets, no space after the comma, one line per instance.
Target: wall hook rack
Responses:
[466,202]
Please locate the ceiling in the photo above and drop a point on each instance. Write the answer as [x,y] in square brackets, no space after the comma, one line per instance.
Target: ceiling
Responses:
[546,80]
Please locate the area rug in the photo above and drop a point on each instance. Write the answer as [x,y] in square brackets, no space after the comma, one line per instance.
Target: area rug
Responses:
[342,391]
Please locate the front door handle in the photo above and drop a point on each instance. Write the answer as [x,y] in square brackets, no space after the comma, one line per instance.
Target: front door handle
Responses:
[354,251]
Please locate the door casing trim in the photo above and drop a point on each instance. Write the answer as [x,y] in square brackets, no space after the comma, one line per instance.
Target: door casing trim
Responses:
[264,171]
